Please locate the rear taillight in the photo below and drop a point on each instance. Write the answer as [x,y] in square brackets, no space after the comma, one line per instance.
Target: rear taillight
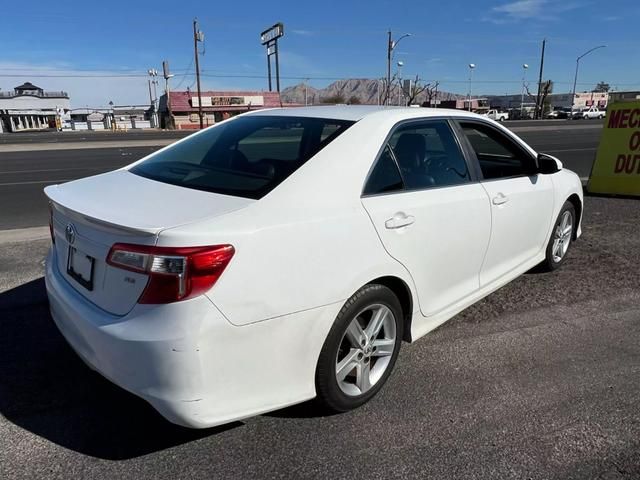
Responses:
[53,238]
[174,273]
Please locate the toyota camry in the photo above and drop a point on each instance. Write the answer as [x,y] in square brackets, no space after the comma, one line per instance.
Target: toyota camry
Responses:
[286,254]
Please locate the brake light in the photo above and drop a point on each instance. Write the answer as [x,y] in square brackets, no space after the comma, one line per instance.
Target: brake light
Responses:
[175,274]
[53,238]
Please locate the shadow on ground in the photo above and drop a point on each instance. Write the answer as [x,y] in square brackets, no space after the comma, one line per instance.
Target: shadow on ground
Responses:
[46,389]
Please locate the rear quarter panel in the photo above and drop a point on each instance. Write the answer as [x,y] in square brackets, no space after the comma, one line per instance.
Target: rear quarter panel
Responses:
[307,244]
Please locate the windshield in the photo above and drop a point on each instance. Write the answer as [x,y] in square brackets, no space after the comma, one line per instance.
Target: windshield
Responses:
[247,157]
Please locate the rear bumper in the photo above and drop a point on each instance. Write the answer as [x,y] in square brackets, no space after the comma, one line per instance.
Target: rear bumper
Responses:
[187,360]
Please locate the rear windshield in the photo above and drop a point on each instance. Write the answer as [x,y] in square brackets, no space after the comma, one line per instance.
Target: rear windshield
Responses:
[245,157]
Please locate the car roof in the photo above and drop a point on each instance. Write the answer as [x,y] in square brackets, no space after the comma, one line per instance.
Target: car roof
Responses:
[358,112]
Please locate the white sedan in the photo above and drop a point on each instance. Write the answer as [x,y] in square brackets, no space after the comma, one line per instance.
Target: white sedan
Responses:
[285,254]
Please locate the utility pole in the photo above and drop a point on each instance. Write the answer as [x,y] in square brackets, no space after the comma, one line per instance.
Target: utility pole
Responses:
[538,109]
[391,45]
[167,76]
[198,36]
[524,78]
[389,50]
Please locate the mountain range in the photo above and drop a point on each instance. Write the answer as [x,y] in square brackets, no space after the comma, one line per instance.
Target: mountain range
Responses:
[355,90]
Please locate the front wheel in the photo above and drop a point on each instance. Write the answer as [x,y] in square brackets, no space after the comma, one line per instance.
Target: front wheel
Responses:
[561,238]
[361,349]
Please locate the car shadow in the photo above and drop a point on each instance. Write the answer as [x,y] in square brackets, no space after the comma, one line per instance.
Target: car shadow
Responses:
[46,389]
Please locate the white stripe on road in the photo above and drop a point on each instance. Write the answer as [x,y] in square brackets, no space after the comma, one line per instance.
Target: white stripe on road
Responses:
[573,150]
[9,172]
[36,182]
[23,235]
[87,145]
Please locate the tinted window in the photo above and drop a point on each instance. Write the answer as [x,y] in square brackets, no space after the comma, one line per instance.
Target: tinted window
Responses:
[428,155]
[499,157]
[385,176]
[247,156]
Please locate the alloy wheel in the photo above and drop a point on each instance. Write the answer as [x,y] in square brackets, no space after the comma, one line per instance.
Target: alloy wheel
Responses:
[366,349]
[562,236]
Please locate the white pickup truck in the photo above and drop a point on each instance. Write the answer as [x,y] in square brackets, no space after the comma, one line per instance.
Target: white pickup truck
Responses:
[497,115]
[589,113]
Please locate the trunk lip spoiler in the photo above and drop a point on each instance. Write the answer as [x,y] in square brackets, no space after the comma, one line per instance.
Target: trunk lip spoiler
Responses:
[147,232]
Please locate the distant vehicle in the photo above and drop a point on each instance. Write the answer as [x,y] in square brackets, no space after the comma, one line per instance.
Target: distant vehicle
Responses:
[285,254]
[560,112]
[589,113]
[497,115]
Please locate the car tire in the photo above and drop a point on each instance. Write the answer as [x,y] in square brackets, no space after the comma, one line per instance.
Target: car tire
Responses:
[347,376]
[600,117]
[501,119]
[561,238]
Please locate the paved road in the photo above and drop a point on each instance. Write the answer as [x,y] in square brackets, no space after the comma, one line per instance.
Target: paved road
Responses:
[87,136]
[538,381]
[23,174]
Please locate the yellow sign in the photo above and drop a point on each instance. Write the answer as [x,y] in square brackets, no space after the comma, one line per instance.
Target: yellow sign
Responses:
[617,166]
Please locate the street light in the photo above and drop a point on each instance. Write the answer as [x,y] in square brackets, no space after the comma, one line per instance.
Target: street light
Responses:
[391,45]
[400,65]
[575,78]
[472,66]
[524,77]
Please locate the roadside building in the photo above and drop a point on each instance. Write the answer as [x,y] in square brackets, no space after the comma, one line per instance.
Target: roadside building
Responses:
[624,96]
[478,105]
[554,100]
[116,117]
[29,107]
[216,106]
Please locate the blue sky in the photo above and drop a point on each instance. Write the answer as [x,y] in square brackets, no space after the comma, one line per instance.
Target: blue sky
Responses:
[87,47]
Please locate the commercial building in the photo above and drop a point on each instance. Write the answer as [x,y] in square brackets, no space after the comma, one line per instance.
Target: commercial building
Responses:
[181,109]
[29,107]
[624,96]
[555,100]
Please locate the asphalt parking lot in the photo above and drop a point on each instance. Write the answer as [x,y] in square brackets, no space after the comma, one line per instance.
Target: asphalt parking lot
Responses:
[540,380]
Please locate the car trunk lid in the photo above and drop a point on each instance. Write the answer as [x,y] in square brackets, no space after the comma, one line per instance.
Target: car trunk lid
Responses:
[90,215]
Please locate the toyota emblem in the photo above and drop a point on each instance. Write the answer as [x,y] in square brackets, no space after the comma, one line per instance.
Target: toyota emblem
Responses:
[70,233]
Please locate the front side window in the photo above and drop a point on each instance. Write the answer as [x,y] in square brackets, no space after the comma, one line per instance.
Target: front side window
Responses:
[428,155]
[499,157]
[247,157]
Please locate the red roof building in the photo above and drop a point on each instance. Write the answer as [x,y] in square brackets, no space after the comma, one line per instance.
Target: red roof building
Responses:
[216,106]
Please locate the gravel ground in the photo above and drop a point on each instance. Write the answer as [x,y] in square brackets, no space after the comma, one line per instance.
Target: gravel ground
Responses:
[539,380]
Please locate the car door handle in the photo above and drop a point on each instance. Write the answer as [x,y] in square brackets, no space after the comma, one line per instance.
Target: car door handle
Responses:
[500,199]
[399,220]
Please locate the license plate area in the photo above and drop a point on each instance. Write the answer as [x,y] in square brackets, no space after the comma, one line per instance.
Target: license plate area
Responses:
[80,267]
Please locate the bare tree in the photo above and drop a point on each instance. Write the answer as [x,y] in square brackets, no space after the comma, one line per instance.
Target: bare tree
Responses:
[546,90]
[431,94]
[417,87]
[384,92]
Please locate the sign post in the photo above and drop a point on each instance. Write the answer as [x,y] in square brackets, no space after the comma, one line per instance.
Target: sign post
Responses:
[617,166]
[269,38]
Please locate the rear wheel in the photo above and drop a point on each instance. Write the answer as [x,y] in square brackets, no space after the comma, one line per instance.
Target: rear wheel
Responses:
[561,238]
[361,349]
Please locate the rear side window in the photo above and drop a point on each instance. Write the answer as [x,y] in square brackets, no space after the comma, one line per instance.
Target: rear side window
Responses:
[246,157]
[385,176]
[499,157]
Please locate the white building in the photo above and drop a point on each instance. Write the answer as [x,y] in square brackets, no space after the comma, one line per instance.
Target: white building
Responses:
[29,107]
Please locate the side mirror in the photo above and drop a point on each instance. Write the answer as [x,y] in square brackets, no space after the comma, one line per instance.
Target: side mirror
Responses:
[548,164]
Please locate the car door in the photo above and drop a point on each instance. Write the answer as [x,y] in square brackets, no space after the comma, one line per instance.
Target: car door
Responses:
[430,212]
[521,200]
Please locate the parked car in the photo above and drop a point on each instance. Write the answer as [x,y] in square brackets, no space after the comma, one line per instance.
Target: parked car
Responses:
[589,113]
[559,113]
[286,254]
[497,115]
